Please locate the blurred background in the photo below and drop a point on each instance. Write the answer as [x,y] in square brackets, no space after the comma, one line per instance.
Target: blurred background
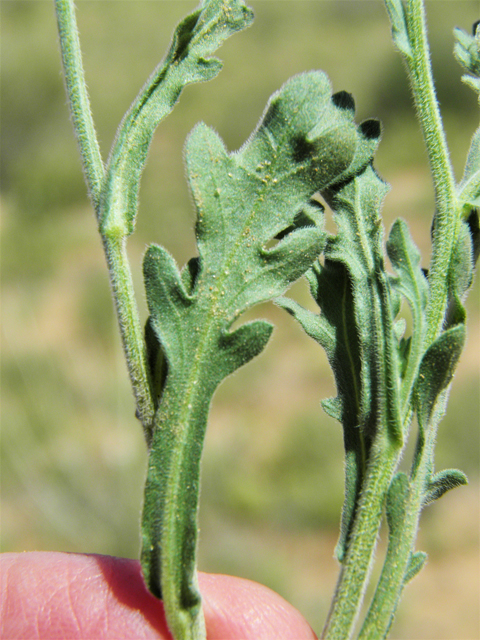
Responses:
[73,456]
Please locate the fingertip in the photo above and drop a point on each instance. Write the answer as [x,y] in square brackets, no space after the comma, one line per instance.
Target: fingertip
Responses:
[239,609]
[52,595]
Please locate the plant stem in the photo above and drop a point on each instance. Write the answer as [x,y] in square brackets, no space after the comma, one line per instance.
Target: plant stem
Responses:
[169,521]
[130,329]
[79,100]
[358,560]
[400,549]
[392,580]
[114,246]
[446,217]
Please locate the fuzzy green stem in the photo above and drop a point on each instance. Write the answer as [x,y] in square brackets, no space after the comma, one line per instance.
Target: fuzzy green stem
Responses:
[446,217]
[169,522]
[358,560]
[79,101]
[115,247]
[392,579]
[130,329]
[417,56]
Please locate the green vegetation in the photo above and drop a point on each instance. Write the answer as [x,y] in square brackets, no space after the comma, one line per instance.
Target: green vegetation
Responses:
[331,190]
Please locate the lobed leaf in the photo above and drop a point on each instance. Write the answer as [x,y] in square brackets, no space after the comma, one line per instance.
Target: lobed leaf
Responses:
[188,61]
[411,282]
[306,141]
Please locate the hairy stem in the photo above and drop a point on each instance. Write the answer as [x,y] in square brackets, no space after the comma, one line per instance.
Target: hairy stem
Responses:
[169,521]
[130,329]
[358,560]
[79,100]
[399,554]
[392,579]
[114,246]
[446,217]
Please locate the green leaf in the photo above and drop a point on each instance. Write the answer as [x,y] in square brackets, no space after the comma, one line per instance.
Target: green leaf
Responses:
[355,327]
[469,189]
[398,20]
[461,266]
[396,507]
[412,284]
[411,281]
[363,314]
[467,52]
[188,61]
[436,371]
[346,294]
[306,141]
[442,482]
[415,565]
[335,330]
[460,276]
[157,362]
[317,327]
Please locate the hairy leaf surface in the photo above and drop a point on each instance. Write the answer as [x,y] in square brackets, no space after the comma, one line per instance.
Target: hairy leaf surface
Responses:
[411,284]
[436,371]
[467,52]
[188,61]
[355,327]
[442,482]
[460,276]
[398,21]
[415,565]
[396,504]
[306,141]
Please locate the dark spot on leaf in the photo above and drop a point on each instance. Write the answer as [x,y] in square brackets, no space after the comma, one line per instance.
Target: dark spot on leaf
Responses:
[302,149]
[371,129]
[475,27]
[344,100]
